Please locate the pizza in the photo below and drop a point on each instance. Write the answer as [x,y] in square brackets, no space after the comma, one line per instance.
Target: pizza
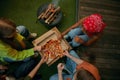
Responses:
[52,49]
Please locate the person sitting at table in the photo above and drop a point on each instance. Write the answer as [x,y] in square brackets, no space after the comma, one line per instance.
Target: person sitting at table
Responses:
[86,31]
[77,69]
[9,53]
[31,75]
[15,36]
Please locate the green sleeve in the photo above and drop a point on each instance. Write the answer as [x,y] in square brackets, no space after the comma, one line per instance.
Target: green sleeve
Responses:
[7,51]
[20,55]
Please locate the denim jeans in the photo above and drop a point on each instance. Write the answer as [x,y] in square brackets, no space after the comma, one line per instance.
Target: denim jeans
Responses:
[77,32]
[70,65]
[21,69]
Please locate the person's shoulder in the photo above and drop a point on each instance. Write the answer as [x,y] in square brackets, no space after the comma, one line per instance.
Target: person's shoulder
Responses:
[84,64]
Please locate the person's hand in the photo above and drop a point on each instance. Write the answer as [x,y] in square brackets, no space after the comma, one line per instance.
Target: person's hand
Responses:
[78,39]
[60,67]
[37,48]
[44,59]
[66,53]
[60,37]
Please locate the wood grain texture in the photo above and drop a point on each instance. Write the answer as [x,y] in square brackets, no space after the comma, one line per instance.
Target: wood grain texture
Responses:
[106,51]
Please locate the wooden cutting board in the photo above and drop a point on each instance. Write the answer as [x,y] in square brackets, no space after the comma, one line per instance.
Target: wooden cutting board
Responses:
[54,33]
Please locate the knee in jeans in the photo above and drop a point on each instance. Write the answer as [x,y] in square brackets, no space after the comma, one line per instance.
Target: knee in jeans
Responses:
[54,77]
[51,78]
[73,53]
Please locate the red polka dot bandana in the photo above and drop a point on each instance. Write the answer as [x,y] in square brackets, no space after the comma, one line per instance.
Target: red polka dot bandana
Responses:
[94,24]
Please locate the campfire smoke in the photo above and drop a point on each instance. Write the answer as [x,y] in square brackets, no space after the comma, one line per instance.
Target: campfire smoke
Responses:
[55,2]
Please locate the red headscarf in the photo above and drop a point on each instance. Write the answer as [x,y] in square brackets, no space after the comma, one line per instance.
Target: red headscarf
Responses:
[94,24]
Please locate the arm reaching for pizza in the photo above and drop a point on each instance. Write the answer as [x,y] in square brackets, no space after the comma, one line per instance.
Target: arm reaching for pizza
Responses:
[34,71]
[61,65]
[76,60]
[37,48]
[60,68]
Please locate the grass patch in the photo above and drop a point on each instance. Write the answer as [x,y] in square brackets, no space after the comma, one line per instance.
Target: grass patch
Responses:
[24,12]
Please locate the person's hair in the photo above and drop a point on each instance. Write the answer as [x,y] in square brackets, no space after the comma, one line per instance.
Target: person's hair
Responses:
[7,28]
[83,74]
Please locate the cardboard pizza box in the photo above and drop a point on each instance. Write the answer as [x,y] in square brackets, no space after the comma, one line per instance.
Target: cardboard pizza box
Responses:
[53,34]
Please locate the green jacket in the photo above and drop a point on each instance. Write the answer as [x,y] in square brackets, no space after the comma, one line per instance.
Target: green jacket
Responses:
[7,52]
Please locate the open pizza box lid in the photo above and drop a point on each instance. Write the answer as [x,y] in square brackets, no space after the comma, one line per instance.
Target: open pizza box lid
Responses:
[51,34]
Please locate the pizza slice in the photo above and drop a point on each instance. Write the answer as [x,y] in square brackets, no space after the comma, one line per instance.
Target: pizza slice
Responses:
[52,49]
